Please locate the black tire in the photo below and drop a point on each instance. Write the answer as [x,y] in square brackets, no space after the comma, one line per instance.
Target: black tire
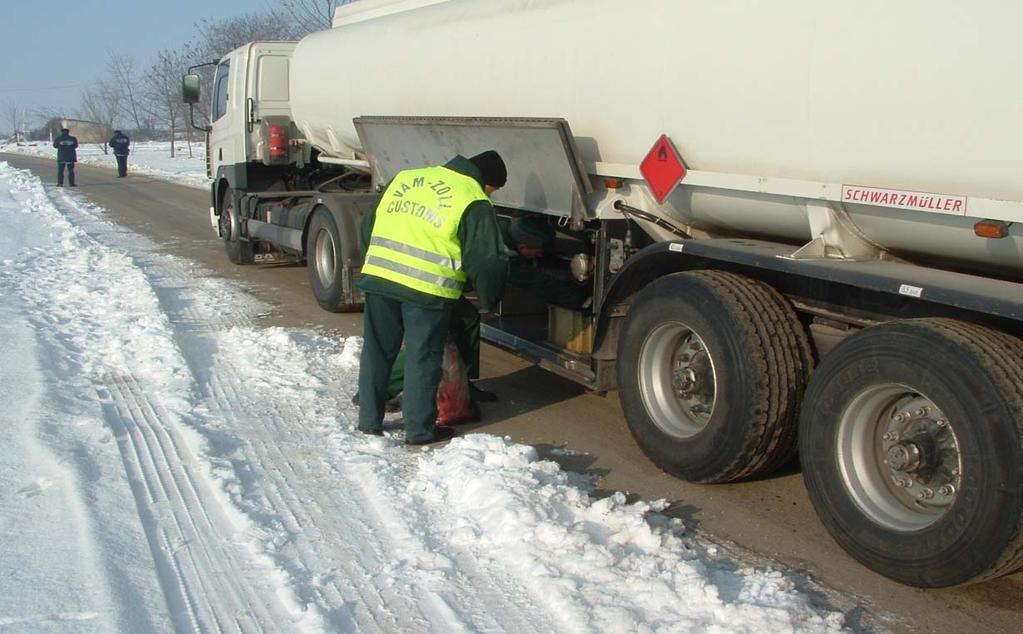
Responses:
[238,251]
[711,368]
[325,264]
[911,440]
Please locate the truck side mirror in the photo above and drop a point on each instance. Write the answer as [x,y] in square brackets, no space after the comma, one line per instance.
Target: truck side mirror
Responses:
[190,88]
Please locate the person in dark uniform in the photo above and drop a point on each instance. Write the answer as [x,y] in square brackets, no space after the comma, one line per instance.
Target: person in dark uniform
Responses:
[120,144]
[67,156]
[434,231]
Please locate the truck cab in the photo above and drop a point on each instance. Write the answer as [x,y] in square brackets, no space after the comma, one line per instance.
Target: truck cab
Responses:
[250,88]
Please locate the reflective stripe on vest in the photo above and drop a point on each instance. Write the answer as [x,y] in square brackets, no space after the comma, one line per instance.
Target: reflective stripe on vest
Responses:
[415,232]
[419,253]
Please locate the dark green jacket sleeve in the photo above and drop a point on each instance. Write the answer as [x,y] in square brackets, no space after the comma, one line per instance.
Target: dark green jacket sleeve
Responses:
[483,255]
[365,230]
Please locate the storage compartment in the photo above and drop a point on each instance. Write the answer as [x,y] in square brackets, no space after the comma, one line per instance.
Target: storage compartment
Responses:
[570,329]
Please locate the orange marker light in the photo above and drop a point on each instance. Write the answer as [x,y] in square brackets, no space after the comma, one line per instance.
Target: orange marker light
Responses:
[991,229]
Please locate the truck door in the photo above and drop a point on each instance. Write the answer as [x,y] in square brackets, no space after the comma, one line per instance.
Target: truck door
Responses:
[269,97]
[225,117]
[270,85]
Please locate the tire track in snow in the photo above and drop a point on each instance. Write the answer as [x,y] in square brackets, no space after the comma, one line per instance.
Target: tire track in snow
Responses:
[196,320]
[213,580]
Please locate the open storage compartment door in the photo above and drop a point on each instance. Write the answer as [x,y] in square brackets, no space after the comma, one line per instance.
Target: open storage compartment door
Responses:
[545,176]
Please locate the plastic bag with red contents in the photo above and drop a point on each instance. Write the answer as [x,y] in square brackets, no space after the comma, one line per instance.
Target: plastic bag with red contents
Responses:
[454,405]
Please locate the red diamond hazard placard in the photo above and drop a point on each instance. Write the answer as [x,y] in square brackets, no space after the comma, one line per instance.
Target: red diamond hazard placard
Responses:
[663,168]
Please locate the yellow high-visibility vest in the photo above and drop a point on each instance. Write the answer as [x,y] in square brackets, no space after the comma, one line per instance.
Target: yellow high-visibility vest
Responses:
[415,234]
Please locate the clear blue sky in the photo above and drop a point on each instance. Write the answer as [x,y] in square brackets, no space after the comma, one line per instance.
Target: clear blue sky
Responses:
[51,50]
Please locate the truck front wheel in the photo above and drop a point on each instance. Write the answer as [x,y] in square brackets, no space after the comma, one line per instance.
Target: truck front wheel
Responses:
[238,251]
[911,441]
[325,264]
[711,367]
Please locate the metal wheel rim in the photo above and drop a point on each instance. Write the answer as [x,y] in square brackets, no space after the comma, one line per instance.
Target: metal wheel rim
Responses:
[899,457]
[325,258]
[677,379]
[229,228]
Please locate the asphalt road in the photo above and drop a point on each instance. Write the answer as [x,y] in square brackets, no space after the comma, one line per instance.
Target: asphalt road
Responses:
[771,517]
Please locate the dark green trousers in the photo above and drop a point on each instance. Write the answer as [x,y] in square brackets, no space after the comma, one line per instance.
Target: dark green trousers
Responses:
[464,326]
[385,322]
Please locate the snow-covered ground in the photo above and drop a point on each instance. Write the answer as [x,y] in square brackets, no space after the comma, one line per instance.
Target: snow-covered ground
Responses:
[168,465]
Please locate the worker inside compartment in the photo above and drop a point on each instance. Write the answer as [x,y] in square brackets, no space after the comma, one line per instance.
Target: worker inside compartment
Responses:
[537,264]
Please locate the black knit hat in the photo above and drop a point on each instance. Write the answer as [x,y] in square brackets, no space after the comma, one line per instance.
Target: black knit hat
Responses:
[491,167]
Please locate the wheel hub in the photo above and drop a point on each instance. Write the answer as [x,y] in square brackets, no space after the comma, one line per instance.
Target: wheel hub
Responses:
[905,457]
[916,456]
[230,222]
[922,454]
[325,258]
[900,457]
[678,380]
[684,380]
[692,378]
[226,225]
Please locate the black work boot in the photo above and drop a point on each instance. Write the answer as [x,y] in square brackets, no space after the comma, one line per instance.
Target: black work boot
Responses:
[443,434]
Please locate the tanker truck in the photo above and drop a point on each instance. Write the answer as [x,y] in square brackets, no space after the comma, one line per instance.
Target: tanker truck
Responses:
[801,223]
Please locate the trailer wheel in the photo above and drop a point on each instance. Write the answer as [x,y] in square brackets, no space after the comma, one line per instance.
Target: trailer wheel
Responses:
[711,367]
[911,440]
[325,264]
[238,251]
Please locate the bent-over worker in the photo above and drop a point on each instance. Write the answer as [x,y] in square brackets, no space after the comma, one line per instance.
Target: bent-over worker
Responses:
[433,231]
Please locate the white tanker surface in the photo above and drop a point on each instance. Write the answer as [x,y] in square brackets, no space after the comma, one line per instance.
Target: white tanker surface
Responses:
[908,113]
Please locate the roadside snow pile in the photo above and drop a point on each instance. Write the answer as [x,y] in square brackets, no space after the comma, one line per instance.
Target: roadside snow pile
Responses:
[603,565]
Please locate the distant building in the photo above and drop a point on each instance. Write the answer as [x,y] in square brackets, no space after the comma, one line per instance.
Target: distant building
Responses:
[85,131]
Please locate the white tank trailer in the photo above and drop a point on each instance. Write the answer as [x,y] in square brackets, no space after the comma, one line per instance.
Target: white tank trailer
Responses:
[914,97]
[837,275]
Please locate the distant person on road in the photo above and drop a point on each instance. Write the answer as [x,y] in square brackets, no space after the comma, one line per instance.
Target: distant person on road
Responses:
[67,156]
[120,143]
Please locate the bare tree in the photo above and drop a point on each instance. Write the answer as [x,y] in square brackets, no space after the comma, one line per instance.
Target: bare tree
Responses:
[15,115]
[217,38]
[162,91]
[311,15]
[43,115]
[222,36]
[102,103]
[122,71]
